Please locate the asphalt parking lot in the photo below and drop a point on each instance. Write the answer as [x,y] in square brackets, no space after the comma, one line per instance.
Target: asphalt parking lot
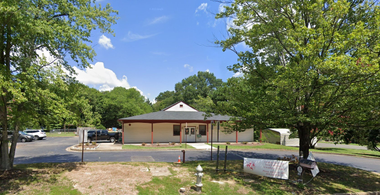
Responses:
[53,149]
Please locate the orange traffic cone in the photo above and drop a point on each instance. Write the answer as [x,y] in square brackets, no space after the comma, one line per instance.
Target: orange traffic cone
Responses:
[179,159]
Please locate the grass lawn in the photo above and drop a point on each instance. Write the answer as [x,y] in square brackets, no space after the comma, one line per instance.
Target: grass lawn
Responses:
[61,134]
[157,147]
[52,178]
[354,152]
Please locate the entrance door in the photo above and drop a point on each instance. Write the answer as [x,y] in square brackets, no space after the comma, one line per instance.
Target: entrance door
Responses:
[189,134]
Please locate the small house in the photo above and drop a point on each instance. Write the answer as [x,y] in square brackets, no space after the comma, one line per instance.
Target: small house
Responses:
[179,123]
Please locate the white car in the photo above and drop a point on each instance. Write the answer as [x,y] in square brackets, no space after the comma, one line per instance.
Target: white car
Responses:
[38,134]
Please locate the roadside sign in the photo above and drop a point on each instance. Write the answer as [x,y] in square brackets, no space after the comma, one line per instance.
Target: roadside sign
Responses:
[269,168]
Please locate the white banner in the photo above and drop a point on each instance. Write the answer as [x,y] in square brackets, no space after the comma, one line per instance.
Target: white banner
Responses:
[269,168]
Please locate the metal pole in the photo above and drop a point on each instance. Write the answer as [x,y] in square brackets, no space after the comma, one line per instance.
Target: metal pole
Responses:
[183,151]
[217,160]
[186,137]
[225,159]
[217,130]
[82,144]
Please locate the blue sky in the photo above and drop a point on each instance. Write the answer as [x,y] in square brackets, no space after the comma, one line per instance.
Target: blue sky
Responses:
[157,44]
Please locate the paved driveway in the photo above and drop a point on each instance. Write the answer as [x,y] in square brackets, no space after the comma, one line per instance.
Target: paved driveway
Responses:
[54,150]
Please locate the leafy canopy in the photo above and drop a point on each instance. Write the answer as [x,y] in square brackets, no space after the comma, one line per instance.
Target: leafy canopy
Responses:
[310,66]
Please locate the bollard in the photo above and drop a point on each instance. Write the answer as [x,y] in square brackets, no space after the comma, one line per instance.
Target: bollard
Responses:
[225,159]
[217,160]
[199,175]
[183,151]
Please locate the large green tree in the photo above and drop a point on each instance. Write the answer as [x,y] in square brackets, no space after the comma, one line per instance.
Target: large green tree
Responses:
[190,90]
[310,66]
[29,82]
[120,103]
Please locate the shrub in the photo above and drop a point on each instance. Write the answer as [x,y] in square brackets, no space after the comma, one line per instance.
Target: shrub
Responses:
[143,144]
[87,144]
[94,143]
[158,144]
[245,142]
[172,143]
[228,143]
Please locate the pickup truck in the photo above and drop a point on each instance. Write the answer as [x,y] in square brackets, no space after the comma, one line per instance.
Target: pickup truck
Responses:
[97,135]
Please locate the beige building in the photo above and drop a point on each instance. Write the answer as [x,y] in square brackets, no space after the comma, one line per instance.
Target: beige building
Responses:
[179,123]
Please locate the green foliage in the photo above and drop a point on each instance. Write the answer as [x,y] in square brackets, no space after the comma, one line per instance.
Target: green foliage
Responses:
[116,104]
[196,90]
[312,66]
[34,88]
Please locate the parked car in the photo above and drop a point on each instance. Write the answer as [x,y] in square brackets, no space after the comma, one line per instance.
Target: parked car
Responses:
[38,134]
[97,135]
[23,137]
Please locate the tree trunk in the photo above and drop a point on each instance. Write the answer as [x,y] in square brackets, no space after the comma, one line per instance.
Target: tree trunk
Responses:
[5,164]
[304,135]
[12,152]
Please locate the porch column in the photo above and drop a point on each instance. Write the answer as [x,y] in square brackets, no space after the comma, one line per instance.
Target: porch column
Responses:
[207,131]
[236,136]
[180,133]
[152,133]
[122,132]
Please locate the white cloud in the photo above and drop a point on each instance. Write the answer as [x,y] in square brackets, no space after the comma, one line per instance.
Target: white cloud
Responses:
[105,42]
[189,67]
[102,78]
[207,70]
[135,37]
[221,7]
[202,7]
[158,20]
[238,74]
[47,57]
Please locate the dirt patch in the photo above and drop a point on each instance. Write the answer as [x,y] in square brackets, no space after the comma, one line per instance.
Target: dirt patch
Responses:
[160,171]
[108,179]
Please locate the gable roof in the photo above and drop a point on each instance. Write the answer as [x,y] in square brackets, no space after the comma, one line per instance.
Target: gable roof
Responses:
[175,116]
[170,108]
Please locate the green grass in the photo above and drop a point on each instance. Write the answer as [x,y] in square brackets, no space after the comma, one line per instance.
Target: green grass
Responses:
[62,134]
[331,142]
[155,147]
[331,179]
[344,151]
[48,178]
[250,146]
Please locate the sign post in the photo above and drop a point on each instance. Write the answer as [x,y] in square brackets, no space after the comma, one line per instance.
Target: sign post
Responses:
[82,144]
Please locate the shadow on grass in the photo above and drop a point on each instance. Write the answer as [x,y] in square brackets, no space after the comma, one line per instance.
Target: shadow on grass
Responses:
[11,181]
[363,153]
[331,179]
[369,155]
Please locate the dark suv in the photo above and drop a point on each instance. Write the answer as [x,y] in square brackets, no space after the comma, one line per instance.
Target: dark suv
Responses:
[23,137]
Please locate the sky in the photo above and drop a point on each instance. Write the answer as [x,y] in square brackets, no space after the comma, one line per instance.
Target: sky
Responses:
[158,43]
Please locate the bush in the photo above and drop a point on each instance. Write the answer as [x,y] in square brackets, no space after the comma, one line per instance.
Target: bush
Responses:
[93,143]
[245,142]
[158,144]
[228,143]
[172,143]
[143,144]
[87,144]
